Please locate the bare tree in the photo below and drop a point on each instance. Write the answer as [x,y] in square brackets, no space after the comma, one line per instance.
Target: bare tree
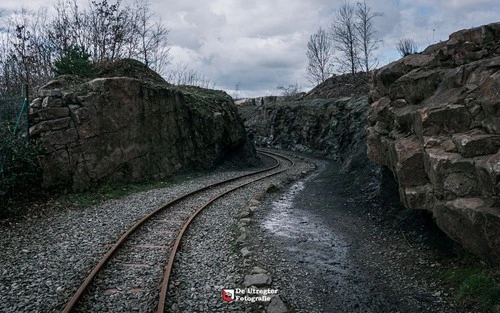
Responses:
[110,25]
[366,35]
[319,54]
[101,30]
[32,41]
[28,53]
[182,74]
[4,48]
[110,31]
[344,38]
[289,92]
[407,46]
[158,48]
[69,28]
[236,93]
[150,42]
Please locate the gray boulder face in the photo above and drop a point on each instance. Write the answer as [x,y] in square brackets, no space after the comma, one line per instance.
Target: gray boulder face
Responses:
[123,128]
[434,121]
[329,127]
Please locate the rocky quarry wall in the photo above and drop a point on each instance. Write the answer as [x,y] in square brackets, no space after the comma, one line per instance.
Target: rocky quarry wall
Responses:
[331,128]
[328,127]
[435,122]
[130,129]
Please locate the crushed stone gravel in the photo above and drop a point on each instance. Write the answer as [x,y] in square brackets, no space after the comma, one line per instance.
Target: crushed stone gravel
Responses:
[45,258]
[358,267]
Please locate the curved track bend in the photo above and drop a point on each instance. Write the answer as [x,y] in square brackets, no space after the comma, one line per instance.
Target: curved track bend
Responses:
[167,225]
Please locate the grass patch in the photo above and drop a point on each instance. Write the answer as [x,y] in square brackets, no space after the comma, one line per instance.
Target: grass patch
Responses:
[114,190]
[99,194]
[476,288]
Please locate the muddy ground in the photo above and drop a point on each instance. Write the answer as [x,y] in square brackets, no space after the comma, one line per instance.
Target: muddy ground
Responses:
[341,242]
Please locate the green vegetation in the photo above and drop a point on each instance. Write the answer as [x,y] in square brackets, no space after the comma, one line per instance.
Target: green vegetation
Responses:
[62,200]
[75,62]
[204,101]
[202,94]
[113,190]
[130,68]
[20,173]
[476,287]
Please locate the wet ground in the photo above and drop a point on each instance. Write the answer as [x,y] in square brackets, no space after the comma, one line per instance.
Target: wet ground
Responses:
[330,249]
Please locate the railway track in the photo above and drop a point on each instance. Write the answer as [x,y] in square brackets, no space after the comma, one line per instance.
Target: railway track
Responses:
[133,264]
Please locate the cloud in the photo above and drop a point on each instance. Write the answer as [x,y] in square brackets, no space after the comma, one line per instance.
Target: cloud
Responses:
[262,43]
[246,42]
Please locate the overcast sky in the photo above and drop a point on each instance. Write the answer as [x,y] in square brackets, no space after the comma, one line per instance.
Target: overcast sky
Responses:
[261,44]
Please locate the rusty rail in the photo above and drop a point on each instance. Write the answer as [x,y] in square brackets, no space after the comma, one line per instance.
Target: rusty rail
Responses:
[88,280]
[169,266]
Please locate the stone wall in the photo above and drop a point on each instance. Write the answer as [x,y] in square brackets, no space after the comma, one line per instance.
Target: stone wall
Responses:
[435,122]
[125,128]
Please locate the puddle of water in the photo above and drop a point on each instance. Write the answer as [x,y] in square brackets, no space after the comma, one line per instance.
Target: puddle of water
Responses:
[281,220]
[304,233]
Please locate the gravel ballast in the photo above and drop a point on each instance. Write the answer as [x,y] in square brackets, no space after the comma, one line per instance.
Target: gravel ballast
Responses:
[45,258]
[210,259]
[318,249]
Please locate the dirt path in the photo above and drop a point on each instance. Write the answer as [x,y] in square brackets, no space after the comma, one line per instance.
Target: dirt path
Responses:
[330,249]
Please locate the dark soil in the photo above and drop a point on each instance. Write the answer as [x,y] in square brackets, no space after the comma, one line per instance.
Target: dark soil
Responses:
[361,251]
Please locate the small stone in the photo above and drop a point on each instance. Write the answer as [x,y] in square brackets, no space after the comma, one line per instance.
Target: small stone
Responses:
[56,93]
[399,103]
[271,188]
[37,103]
[50,102]
[254,202]
[258,270]
[257,280]
[241,238]
[276,306]
[244,213]
[245,220]
[245,252]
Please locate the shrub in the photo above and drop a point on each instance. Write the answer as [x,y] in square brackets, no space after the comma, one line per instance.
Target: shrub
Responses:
[75,62]
[476,287]
[20,173]
[407,46]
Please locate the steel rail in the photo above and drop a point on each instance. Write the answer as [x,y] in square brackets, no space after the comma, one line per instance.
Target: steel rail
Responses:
[90,277]
[173,251]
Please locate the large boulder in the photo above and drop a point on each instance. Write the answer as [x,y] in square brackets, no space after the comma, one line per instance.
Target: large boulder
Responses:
[435,122]
[130,129]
